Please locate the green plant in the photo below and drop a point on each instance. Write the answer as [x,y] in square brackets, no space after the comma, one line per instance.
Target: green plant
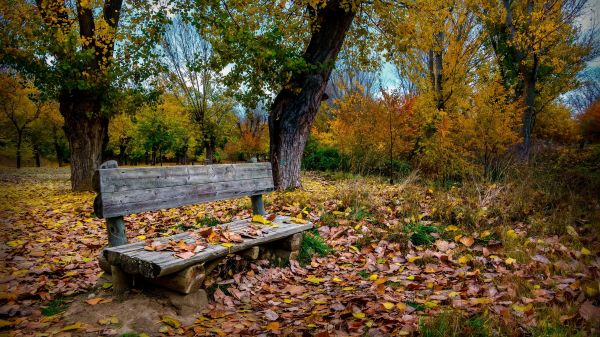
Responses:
[207,221]
[453,324]
[55,307]
[312,244]
[421,234]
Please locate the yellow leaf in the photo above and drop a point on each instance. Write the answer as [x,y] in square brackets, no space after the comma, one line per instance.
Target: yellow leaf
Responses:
[106,285]
[510,260]
[482,300]
[410,277]
[75,326]
[414,258]
[355,249]
[260,219]
[299,221]
[585,251]
[572,231]
[401,306]
[15,243]
[464,259]
[485,234]
[430,304]
[373,277]
[451,228]
[337,213]
[141,237]
[314,279]
[359,315]
[348,288]
[287,300]
[5,323]
[522,307]
[227,244]
[388,305]
[336,279]
[512,234]
[168,320]
[453,294]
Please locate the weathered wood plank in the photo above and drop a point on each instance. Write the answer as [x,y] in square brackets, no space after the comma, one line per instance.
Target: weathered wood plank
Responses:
[135,260]
[173,202]
[113,180]
[124,191]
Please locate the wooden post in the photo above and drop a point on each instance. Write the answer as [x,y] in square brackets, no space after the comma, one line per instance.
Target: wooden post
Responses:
[116,231]
[258,207]
[117,236]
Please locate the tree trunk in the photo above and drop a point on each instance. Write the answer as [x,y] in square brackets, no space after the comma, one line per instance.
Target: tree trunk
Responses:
[529,93]
[295,107]
[19,142]
[57,148]
[86,130]
[37,156]
[210,148]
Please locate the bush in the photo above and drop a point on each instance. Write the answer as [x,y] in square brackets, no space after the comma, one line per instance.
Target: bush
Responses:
[320,158]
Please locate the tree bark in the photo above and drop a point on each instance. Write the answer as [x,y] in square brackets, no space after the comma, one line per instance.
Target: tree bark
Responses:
[295,107]
[85,129]
[529,94]
[37,156]
[57,148]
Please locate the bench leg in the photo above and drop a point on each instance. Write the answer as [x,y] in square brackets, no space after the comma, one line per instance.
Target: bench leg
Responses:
[121,281]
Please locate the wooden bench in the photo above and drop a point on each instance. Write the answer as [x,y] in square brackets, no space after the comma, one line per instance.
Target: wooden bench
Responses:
[124,191]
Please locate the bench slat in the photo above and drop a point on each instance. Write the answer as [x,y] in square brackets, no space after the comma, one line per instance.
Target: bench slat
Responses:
[133,259]
[123,191]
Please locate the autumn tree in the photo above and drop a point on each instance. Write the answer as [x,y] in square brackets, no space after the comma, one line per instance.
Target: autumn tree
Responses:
[68,49]
[538,50]
[21,106]
[287,47]
[187,56]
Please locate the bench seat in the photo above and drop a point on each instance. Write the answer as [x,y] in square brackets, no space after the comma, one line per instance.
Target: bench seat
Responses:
[134,259]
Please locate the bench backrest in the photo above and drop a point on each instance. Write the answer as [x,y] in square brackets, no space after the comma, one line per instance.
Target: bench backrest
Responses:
[123,191]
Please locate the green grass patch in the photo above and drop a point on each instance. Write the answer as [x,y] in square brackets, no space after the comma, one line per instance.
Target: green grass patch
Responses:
[417,306]
[207,221]
[55,307]
[312,243]
[452,324]
[421,234]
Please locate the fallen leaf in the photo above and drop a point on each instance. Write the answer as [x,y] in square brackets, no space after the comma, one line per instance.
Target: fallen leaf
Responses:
[170,321]
[589,312]
[467,241]
[71,327]
[388,305]
[359,315]
[272,326]
[271,315]
[314,279]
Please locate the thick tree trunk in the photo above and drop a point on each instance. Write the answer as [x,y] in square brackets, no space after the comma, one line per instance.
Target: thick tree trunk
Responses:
[295,107]
[86,130]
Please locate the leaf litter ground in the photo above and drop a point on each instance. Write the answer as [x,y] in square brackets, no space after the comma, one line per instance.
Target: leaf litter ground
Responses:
[393,267]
